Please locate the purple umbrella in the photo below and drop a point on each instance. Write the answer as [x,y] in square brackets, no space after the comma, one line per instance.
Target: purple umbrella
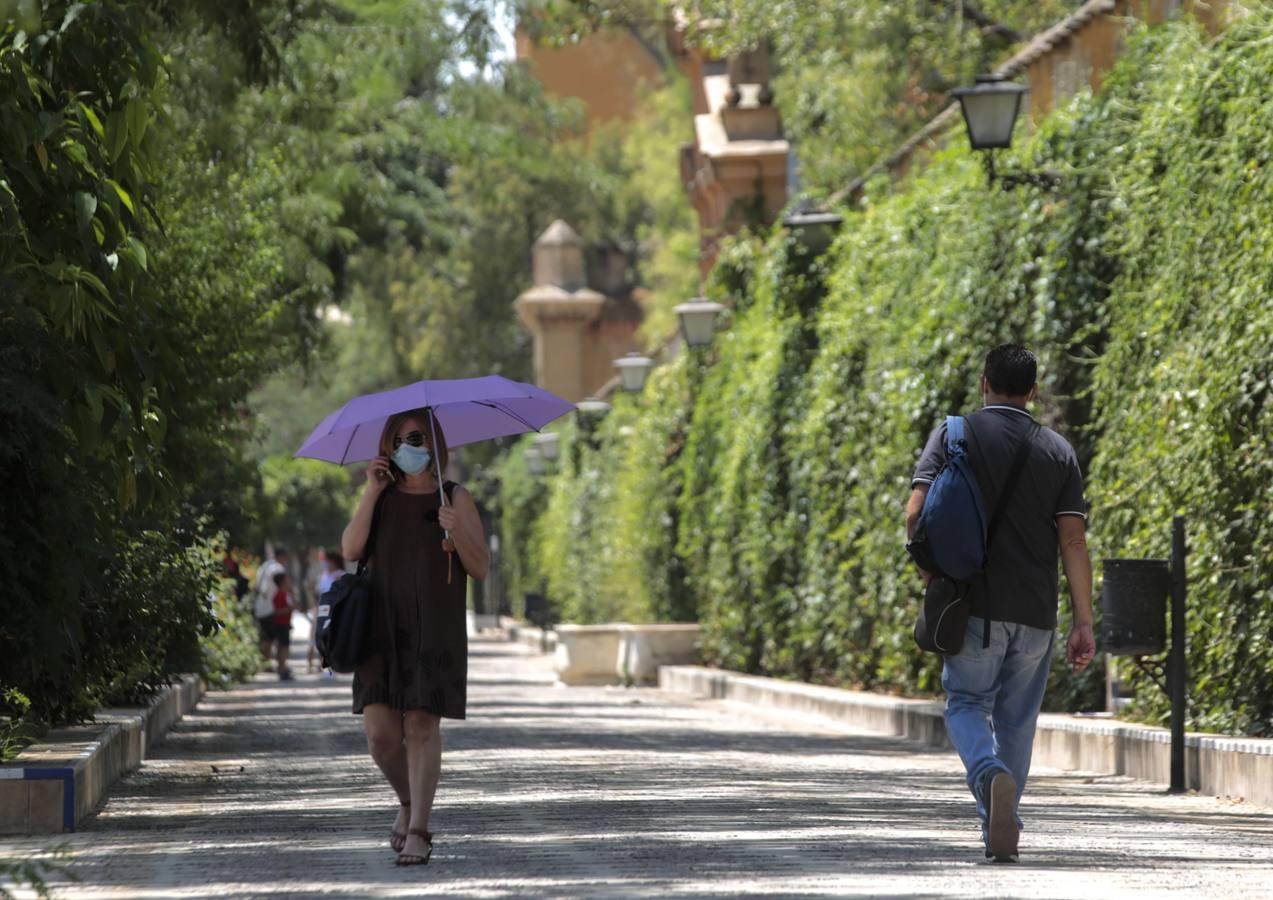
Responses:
[468,409]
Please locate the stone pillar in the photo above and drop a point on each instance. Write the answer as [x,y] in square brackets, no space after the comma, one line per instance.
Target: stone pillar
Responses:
[560,312]
[735,172]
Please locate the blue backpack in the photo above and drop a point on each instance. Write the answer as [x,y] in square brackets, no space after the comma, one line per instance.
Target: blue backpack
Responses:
[950,537]
[952,540]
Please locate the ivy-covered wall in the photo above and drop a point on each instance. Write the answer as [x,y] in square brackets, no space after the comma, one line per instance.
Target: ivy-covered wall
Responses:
[760,485]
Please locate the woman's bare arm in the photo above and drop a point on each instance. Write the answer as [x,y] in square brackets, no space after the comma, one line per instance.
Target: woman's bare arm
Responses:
[462,520]
[353,542]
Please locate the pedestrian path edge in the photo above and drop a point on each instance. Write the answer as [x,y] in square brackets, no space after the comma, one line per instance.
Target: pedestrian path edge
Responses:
[1214,765]
[51,786]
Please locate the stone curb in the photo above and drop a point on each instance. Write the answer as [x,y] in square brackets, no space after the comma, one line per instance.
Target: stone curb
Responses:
[1214,764]
[51,786]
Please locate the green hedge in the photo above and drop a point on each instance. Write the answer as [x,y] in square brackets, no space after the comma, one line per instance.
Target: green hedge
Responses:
[603,544]
[1144,284]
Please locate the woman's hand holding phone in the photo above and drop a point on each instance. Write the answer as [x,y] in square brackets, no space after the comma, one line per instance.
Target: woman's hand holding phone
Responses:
[381,473]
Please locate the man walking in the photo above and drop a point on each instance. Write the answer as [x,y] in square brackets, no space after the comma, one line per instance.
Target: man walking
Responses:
[994,689]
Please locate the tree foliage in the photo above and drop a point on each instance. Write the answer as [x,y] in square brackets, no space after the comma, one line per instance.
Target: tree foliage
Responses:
[852,79]
[501,160]
[218,221]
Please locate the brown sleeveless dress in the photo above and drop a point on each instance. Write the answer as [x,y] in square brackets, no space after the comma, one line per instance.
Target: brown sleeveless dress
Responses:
[419,656]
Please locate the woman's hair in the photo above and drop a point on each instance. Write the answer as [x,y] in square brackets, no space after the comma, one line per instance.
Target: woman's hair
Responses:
[279,578]
[429,426]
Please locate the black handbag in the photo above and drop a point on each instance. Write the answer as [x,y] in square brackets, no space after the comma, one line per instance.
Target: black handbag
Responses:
[343,623]
[943,617]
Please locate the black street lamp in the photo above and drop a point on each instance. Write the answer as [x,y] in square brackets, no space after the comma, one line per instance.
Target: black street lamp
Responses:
[633,371]
[815,230]
[990,111]
[549,444]
[590,411]
[535,461]
[698,321]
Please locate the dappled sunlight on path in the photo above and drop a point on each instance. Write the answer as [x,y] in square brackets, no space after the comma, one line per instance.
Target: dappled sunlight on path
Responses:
[550,791]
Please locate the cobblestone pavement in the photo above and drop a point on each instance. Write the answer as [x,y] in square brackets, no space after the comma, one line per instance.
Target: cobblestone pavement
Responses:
[599,792]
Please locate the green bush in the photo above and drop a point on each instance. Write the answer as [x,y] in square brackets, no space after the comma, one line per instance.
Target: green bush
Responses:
[143,292]
[517,505]
[1183,392]
[597,533]
[231,653]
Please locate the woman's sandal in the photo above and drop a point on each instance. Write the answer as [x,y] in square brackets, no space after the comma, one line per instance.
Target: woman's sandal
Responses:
[414,859]
[398,839]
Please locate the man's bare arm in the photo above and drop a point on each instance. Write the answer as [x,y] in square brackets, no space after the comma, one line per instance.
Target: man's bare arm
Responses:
[914,506]
[1071,534]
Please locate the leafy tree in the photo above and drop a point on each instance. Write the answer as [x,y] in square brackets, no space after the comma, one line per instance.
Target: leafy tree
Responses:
[142,295]
[308,502]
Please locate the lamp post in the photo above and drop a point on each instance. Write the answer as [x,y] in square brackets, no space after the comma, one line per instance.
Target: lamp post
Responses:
[592,408]
[634,368]
[549,445]
[815,230]
[590,412]
[990,111]
[698,321]
[535,461]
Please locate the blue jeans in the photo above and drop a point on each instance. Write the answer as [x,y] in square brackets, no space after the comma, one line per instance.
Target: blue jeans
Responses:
[993,696]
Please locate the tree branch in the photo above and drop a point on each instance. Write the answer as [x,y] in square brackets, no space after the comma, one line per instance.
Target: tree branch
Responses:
[983,21]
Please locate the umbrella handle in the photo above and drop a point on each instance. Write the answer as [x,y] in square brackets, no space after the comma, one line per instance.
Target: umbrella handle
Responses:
[437,460]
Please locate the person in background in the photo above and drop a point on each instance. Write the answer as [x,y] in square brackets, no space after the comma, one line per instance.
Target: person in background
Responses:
[281,622]
[333,568]
[230,567]
[264,599]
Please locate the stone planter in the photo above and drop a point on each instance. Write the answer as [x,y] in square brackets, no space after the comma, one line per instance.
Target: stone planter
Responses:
[586,654]
[646,647]
[622,654]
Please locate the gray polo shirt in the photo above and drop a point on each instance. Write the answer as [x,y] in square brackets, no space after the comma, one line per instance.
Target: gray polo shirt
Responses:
[1021,578]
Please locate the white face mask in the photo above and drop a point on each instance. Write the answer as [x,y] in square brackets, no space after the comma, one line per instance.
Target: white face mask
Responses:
[412,460]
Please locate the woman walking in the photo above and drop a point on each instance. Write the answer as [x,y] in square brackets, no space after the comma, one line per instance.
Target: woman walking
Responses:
[417,671]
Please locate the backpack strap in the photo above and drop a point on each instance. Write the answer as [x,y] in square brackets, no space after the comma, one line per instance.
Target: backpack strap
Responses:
[955,442]
[1001,505]
[1014,475]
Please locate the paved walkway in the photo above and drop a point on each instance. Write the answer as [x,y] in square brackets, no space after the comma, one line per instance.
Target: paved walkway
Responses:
[549,792]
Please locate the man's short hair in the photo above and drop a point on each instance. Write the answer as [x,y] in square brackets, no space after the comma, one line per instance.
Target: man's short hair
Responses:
[280,553]
[279,578]
[1011,370]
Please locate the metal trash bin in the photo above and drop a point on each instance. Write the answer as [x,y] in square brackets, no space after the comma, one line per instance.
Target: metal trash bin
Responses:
[537,610]
[1134,606]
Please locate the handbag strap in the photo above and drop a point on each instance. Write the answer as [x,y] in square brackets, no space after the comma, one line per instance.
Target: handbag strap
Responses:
[1014,475]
